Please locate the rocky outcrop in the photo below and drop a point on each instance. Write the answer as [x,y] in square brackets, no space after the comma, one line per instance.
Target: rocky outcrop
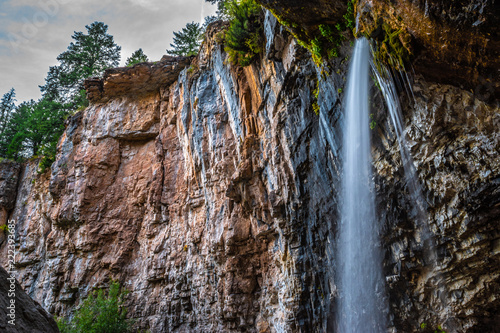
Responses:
[25,315]
[213,197]
[139,80]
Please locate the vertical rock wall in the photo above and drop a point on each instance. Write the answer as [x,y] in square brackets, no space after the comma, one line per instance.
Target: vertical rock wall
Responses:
[211,195]
[207,197]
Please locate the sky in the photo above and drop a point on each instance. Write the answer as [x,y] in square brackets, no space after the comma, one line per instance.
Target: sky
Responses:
[34,32]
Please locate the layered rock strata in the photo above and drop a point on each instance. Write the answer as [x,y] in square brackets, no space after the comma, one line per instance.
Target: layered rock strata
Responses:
[212,197]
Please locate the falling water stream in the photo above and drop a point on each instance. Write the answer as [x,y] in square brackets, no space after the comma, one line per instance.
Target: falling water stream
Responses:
[426,238]
[361,306]
[388,88]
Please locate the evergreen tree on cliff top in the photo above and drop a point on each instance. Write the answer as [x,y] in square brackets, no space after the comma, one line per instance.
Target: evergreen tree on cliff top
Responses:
[7,108]
[88,55]
[187,41]
[222,13]
[136,58]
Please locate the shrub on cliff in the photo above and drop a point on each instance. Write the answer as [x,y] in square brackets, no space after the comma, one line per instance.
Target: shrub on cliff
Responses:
[243,37]
[99,313]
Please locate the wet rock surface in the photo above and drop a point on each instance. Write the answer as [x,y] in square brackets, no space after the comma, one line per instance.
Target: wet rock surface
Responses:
[213,200]
[455,141]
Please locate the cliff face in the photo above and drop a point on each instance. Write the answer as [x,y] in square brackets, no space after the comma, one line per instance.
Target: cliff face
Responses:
[455,141]
[212,197]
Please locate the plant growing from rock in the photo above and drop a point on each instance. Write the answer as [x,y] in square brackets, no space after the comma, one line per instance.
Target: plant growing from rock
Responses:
[243,37]
[99,313]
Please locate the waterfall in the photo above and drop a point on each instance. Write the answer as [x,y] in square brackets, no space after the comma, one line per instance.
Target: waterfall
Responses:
[361,302]
[388,88]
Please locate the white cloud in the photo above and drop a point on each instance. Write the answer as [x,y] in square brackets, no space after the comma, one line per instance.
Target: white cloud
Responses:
[146,24]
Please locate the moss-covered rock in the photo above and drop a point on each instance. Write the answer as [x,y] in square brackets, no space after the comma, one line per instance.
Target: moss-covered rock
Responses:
[454,42]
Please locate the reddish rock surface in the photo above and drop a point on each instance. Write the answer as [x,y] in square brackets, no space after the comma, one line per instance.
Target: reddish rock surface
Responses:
[213,199]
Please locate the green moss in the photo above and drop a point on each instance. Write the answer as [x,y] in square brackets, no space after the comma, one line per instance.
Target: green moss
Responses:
[426,328]
[391,40]
[393,49]
[373,123]
[324,43]
[4,228]
[315,104]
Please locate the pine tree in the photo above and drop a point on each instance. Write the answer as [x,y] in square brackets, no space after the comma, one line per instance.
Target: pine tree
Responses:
[136,58]
[6,107]
[88,55]
[187,41]
[222,13]
[15,134]
[33,129]
[52,88]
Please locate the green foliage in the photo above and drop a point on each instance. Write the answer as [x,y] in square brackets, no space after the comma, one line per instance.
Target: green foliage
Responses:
[7,106]
[426,327]
[393,47]
[87,56]
[187,41]
[33,129]
[373,123]
[49,156]
[99,313]
[4,228]
[392,41]
[315,104]
[136,58]
[222,13]
[243,37]
[439,330]
[349,17]
[324,44]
